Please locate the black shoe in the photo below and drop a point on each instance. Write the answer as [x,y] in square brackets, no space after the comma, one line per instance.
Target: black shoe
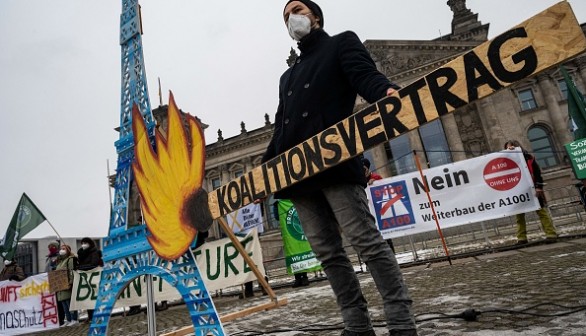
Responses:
[164,306]
[355,333]
[133,311]
[407,332]
[522,242]
[304,281]
[246,295]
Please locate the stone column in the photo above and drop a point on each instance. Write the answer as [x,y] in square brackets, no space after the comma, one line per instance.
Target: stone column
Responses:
[500,119]
[224,173]
[381,162]
[559,119]
[453,137]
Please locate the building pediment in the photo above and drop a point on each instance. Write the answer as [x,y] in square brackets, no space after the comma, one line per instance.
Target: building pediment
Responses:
[403,60]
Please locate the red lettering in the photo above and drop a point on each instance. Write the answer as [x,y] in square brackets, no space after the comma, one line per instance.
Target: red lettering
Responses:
[9,293]
[49,306]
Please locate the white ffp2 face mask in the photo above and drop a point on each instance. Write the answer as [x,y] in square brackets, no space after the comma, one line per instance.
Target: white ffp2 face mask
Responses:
[298,26]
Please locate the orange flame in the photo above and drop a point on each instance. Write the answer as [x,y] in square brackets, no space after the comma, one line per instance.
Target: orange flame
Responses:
[168,179]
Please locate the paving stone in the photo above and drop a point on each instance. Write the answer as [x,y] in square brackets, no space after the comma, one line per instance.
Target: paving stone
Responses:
[511,280]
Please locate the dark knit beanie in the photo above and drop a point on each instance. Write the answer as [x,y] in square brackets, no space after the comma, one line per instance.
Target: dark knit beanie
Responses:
[313,7]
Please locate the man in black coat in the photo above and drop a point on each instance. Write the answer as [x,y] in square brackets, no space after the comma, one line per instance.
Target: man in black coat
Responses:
[318,91]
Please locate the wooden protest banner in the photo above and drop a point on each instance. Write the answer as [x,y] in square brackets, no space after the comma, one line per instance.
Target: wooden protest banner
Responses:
[539,43]
[58,280]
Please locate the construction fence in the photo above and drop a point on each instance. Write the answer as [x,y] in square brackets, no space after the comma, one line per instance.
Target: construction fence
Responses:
[564,204]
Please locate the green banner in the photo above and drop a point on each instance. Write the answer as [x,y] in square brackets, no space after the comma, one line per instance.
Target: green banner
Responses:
[577,154]
[25,219]
[298,254]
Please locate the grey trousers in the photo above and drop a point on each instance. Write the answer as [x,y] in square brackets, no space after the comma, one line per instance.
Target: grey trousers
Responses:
[343,208]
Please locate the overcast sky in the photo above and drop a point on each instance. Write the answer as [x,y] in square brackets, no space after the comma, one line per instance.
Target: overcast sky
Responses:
[60,81]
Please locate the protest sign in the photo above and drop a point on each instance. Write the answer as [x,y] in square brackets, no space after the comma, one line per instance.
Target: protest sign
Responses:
[299,257]
[577,155]
[219,263]
[245,219]
[86,284]
[222,266]
[483,188]
[27,306]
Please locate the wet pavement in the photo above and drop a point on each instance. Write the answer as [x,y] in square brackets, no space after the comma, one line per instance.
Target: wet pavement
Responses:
[538,289]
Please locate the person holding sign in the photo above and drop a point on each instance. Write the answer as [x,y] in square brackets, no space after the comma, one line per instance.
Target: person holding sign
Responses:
[67,261]
[318,91]
[370,178]
[544,217]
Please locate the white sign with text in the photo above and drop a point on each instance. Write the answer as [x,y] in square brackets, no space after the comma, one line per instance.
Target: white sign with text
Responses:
[491,186]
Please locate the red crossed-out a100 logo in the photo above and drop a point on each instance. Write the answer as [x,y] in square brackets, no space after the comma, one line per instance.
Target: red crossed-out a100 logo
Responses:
[502,174]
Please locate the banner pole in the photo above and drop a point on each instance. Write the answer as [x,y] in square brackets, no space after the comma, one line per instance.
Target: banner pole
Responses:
[261,278]
[439,230]
[57,233]
[151,315]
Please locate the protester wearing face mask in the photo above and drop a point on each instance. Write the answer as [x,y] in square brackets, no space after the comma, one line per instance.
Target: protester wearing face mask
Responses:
[12,271]
[52,257]
[50,265]
[67,261]
[316,92]
[90,257]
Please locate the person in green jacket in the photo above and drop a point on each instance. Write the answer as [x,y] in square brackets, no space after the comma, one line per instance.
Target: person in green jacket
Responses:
[67,261]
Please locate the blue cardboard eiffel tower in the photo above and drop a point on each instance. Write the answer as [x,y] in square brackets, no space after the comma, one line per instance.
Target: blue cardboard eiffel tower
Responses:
[127,253]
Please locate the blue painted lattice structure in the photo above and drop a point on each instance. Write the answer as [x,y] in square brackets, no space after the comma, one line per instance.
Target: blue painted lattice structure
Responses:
[127,253]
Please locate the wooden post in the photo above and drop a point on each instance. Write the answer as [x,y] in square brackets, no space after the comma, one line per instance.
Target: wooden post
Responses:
[261,277]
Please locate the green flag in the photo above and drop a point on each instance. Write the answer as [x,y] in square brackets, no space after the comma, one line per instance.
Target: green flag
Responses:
[576,107]
[25,219]
[298,254]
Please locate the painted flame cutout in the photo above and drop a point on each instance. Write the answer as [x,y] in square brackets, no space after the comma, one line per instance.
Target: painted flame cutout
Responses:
[168,179]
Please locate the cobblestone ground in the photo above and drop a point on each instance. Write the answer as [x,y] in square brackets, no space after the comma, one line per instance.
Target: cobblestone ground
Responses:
[517,280]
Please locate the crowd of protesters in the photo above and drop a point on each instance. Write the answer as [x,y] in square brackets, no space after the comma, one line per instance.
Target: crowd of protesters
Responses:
[62,258]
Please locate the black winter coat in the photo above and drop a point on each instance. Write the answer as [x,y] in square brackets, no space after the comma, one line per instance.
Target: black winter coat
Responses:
[318,91]
[89,258]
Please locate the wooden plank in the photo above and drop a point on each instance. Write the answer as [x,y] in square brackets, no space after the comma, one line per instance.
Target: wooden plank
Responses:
[232,316]
[255,309]
[259,276]
[543,41]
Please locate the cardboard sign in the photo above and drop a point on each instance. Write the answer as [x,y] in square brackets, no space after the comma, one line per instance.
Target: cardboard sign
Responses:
[58,280]
[545,40]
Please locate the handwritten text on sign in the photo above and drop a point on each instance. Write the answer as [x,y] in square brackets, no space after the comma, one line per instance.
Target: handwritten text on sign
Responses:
[219,262]
[541,42]
[27,306]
